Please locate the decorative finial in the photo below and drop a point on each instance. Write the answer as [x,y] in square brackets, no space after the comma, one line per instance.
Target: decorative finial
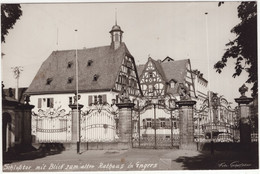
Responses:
[76,99]
[184,92]
[27,99]
[116,17]
[3,92]
[243,89]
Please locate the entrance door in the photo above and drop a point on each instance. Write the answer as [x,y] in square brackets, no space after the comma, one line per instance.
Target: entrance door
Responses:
[6,131]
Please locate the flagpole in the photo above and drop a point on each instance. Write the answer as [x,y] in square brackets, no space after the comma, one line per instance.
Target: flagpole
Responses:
[209,93]
[77,92]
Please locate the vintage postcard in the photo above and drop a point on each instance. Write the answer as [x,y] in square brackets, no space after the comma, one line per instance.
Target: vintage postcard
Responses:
[129,86]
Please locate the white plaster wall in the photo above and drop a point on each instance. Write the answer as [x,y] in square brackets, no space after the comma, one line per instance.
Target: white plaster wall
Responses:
[61,101]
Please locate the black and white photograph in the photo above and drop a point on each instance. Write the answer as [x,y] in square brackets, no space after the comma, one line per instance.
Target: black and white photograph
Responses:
[159,86]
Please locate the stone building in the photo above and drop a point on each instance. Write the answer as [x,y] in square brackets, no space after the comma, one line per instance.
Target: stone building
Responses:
[16,122]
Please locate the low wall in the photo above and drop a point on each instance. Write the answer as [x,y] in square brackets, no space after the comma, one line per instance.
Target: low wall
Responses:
[98,146]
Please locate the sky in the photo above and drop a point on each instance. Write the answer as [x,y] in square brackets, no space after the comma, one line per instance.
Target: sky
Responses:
[174,29]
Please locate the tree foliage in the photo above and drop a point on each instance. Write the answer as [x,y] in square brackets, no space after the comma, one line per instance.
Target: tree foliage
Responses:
[10,13]
[244,47]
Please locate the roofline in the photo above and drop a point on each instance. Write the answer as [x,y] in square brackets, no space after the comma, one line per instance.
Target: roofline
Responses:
[69,91]
[192,78]
[137,77]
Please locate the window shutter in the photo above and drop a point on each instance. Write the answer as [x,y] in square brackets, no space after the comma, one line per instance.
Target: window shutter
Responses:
[104,98]
[70,100]
[90,100]
[39,103]
[51,103]
[116,98]
[168,123]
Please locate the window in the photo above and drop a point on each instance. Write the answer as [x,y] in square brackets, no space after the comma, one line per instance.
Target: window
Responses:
[150,88]
[116,37]
[90,62]
[45,102]
[98,99]
[70,79]
[48,81]
[163,123]
[150,74]
[175,125]
[148,123]
[50,102]
[95,78]
[69,64]
[172,84]
[70,100]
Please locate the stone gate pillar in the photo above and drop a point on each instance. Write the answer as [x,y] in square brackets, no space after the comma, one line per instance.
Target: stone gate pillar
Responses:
[244,113]
[26,126]
[186,124]
[125,121]
[75,122]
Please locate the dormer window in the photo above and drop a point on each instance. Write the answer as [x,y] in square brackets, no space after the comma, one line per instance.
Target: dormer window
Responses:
[172,84]
[69,64]
[95,78]
[150,74]
[48,81]
[90,62]
[70,79]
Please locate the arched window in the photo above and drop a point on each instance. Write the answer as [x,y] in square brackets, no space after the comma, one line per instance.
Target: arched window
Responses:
[116,37]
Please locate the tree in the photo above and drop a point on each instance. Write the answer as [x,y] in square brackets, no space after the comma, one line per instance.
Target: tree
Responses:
[10,13]
[244,47]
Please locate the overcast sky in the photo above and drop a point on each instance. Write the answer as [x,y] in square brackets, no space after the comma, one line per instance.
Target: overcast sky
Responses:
[174,29]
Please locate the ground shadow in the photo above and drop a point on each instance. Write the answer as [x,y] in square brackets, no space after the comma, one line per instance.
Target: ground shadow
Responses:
[236,158]
[44,150]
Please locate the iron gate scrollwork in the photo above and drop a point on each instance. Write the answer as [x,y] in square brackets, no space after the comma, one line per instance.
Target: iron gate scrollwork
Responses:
[215,120]
[51,126]
[98,123]
[155,123]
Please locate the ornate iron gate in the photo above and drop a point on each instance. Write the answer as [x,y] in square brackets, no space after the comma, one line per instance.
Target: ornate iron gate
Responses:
[155,124]
[51,126]
[216,121]
[98,123]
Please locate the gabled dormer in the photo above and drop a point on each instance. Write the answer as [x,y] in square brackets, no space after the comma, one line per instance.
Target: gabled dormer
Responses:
[152,79]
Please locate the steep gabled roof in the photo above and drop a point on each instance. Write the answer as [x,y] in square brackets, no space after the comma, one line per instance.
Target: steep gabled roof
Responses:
[105,65]
[140,69]
[169,70]
[175,70]
[158,68]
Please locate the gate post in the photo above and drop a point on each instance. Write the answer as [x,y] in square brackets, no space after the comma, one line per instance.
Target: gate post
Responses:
[186,124]
[75,125]
[245,128]
[125,122]
[26,126]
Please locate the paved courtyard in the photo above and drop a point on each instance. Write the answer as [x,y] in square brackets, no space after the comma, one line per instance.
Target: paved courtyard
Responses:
[135,159]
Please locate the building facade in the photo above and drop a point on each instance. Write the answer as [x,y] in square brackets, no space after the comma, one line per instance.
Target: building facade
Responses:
[104,75]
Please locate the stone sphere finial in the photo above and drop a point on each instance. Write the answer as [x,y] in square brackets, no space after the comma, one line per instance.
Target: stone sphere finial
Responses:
[243,89]
[75,99]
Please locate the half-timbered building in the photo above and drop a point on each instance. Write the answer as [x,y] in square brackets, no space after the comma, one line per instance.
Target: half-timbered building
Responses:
[103,73]
[158,78]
